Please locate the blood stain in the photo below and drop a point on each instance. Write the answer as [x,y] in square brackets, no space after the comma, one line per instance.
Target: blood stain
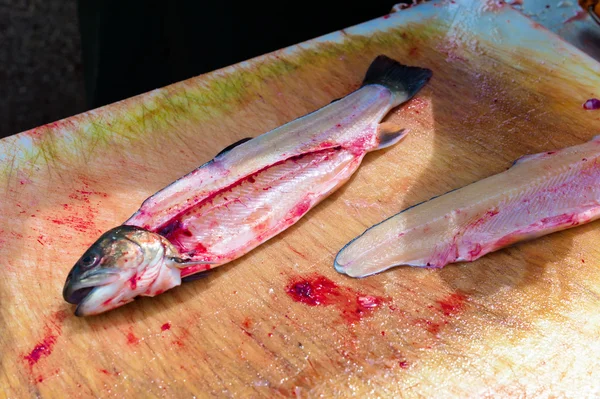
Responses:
[133,282]
[315,289]
[42,349]
[403,364]
[247,323]
[452,304]
[165,327]
[432,327]
[132,339]
[297,252]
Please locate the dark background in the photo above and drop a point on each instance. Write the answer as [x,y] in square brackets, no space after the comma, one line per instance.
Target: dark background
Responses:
[62,57]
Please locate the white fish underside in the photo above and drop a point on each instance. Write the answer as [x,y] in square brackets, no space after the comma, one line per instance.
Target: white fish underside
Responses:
[538,195]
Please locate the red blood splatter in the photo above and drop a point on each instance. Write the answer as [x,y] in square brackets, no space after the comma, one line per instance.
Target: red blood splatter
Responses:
[60,316]
[39,379]
[200,248]
[251,179]
[76,222]
[187,233]
[165,327]
[582,260]
[297,252]
[386,16]
[313,291]
[316,290]
[403,364]
[452,304]
[270,335]
[104,371]
[592,103]
[132,339]
[433,328]
[43,349]
[383,333]
[180,342]
[247,323]
[133,282]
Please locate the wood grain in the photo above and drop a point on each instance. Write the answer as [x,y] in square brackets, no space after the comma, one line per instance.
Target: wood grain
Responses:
[519,322]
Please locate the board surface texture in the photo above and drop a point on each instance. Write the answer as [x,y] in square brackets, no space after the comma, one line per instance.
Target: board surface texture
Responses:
[280,322]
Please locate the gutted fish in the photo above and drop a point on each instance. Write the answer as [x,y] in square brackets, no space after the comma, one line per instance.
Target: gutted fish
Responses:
[538,195]
[247,194]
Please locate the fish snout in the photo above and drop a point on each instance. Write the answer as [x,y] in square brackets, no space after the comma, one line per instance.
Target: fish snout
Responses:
[80,283]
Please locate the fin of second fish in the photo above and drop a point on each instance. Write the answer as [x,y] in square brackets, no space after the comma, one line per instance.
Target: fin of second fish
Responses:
[402,80]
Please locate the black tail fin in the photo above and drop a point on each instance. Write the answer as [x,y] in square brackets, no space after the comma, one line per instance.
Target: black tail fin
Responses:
[403,81]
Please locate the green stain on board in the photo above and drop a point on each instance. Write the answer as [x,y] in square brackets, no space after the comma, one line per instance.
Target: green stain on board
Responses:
[204,98]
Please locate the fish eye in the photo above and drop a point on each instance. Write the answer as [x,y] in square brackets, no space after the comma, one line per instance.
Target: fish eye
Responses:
[89,260]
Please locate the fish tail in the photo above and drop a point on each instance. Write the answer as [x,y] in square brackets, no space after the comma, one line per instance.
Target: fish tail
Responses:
[402,80]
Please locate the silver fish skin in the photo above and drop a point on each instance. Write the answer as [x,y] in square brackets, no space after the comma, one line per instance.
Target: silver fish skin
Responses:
[540,194]
[246,195]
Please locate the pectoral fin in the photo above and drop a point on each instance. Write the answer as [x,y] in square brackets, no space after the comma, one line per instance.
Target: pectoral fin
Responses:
[182,263]
[389,134]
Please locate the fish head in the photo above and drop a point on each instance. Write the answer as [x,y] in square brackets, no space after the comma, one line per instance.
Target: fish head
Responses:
[123,263]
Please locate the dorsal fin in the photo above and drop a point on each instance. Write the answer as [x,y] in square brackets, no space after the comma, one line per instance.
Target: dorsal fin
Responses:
[232,146]
[533,157]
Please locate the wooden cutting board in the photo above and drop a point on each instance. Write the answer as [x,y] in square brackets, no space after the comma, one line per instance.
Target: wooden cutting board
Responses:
[520,322]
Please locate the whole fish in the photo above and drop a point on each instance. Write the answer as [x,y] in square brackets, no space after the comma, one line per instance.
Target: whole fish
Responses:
[540,194]
[247,194]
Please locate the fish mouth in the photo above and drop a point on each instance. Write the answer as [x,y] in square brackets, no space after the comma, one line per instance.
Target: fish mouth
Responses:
[75,297]
[76,290]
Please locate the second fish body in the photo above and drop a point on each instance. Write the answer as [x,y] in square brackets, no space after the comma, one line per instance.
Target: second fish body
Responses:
[540,194]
